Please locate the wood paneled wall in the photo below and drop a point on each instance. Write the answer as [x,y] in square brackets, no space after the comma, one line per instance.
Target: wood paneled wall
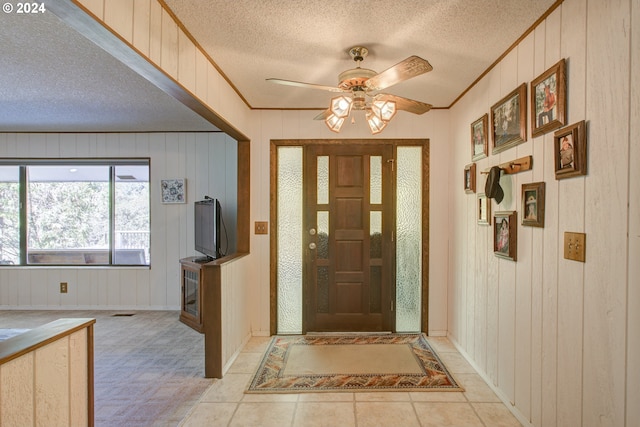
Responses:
[558,338]
[206,160]
[46,375]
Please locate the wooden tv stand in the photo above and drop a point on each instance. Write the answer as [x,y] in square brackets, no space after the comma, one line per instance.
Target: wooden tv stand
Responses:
[195,278]
[201,309]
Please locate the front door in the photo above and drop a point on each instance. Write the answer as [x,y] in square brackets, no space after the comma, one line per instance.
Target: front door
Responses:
[348,278]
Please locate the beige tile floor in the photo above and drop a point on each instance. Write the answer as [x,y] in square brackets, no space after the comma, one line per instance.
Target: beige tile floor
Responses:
[225,404]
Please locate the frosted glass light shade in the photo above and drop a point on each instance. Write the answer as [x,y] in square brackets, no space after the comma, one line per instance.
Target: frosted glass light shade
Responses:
[384,109]
[341,106]
[376,124]
[334,123]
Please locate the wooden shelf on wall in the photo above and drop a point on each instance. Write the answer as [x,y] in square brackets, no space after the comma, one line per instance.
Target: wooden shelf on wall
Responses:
[514,166]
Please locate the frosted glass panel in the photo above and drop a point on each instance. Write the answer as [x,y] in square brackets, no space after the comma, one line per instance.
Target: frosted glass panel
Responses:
[409,239]
[323,235]
[323,180]
[289,240]
[375,180]
[375,234]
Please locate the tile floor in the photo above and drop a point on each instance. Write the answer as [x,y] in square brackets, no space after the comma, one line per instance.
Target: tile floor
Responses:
[225,404]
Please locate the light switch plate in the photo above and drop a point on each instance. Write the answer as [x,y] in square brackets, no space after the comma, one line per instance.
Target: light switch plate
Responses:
[262,227]
[575,246]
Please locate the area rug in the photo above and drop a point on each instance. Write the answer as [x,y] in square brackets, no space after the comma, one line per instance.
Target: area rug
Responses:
[380,362]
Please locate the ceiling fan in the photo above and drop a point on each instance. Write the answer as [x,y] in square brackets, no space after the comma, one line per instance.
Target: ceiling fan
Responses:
[360,85]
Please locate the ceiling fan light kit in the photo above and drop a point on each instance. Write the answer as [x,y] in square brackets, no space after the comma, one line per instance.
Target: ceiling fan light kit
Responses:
[334,123]
[341,106]
[360,83]
[376,124]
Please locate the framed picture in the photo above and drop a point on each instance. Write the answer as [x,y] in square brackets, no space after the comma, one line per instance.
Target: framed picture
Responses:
[548,102]
[484,209]
[505,239]
[480,138]
[533,204]
[174,190]
[509,120]
[470,178]
[570,151]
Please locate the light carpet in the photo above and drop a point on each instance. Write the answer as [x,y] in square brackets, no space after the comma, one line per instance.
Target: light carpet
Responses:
[386,362]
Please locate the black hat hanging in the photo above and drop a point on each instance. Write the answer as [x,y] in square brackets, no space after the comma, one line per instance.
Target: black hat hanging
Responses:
[492,187]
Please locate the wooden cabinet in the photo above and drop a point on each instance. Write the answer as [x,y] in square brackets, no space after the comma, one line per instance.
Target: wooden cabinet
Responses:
[195,277]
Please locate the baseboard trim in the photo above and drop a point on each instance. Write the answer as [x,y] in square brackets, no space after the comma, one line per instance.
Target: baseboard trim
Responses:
[504,398]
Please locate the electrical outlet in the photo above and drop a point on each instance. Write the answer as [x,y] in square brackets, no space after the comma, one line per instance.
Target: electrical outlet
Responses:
[63,287]
[575,246]
[262,227]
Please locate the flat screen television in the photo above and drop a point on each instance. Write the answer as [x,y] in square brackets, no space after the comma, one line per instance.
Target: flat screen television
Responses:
[207,228]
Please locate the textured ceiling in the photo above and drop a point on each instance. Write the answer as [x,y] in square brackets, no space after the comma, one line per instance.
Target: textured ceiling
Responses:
[53,79]
[309,40]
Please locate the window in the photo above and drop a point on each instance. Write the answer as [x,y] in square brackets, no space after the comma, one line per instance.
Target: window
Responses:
[9,215]
[75,212]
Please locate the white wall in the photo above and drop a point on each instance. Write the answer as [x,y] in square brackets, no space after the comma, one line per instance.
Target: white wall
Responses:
[558,339]
[202,158]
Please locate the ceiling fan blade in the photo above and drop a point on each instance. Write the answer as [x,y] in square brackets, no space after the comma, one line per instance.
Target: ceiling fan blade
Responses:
[405,104]
[322,116]
[306,85]
[411,67]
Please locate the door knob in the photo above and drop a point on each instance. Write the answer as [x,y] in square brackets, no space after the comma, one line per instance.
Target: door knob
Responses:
[312,245]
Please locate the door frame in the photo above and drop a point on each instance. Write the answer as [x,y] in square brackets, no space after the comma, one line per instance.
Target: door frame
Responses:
[273,207]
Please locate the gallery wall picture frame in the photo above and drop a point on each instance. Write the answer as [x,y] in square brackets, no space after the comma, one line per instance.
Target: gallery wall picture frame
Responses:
[509,120]
[570,150]
[484,209]
[470,178]
[505,238]
[173,190]
[533,204]
[480,138]
[548,100]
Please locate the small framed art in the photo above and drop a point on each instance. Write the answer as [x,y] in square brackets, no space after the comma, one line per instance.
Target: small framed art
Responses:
[480,138]
[533,204]
[505,239]
[484,209]
[470,178]
[173,190]
[509,120]
[570,151]
[548,102]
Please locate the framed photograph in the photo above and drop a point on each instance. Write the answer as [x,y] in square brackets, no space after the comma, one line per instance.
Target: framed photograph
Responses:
[470,178]
[174,190]
[484,209]
[533,204]
[548,102]
[480,138]
[509,120]
[570,151]
[505,239]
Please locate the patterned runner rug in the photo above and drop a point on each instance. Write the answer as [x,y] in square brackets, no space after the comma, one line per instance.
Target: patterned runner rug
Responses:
[386,362]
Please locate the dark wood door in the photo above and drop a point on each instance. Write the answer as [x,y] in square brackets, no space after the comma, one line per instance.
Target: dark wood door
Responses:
[348,206]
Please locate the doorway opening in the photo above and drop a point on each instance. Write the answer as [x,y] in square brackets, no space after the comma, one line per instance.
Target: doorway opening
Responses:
[350,247]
